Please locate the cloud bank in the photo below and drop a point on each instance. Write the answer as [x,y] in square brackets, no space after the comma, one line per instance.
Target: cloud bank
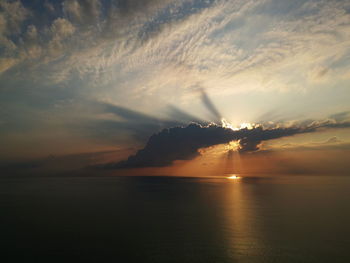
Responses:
[183,143]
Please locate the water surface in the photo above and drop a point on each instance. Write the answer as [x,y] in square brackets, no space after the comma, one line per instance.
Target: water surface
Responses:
[165,219]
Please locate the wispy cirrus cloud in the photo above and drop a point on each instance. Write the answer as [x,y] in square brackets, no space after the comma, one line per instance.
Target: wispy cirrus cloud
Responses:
[57,55]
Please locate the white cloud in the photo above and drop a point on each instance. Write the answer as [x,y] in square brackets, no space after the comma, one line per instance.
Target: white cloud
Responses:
[82,11]
[145,54]
[230,46]
[6,63]
[61,28]
[14,14]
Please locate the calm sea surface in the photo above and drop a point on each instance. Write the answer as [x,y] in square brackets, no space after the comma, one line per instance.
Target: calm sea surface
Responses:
[163,219]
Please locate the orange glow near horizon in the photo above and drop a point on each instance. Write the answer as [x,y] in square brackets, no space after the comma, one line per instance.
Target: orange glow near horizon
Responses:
[225,161]
[219,160]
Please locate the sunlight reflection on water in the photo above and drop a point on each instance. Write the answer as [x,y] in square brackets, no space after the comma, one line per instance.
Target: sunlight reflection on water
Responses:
[165,219]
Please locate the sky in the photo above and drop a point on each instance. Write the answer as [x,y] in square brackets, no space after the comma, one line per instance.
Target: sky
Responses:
[89,81]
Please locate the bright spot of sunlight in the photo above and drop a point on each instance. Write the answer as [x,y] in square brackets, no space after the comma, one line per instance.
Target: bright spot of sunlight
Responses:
[233,177]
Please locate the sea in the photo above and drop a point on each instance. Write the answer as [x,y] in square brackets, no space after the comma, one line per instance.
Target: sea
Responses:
[276,218]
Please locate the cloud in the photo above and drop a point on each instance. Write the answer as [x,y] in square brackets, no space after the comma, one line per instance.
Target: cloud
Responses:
[227,46]
[84,12]
[6,63]
[184,143]
[176,144]
[13,14]
[61,28]
[333,143]
[146,55]
[318,74]
[332,140]
[341,116]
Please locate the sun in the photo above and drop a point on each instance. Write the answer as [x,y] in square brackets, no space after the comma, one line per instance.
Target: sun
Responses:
[233,177]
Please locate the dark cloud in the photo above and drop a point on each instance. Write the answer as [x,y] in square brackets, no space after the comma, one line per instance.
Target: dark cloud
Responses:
[251,139]
[248,144]
[176,143]
[183,143]
[329,123]
[337,125]
[340,116]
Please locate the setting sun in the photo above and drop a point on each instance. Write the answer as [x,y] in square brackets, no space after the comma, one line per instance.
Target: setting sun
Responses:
[233,177]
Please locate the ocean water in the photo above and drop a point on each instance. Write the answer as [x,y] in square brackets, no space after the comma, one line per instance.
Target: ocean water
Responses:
[164,219]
